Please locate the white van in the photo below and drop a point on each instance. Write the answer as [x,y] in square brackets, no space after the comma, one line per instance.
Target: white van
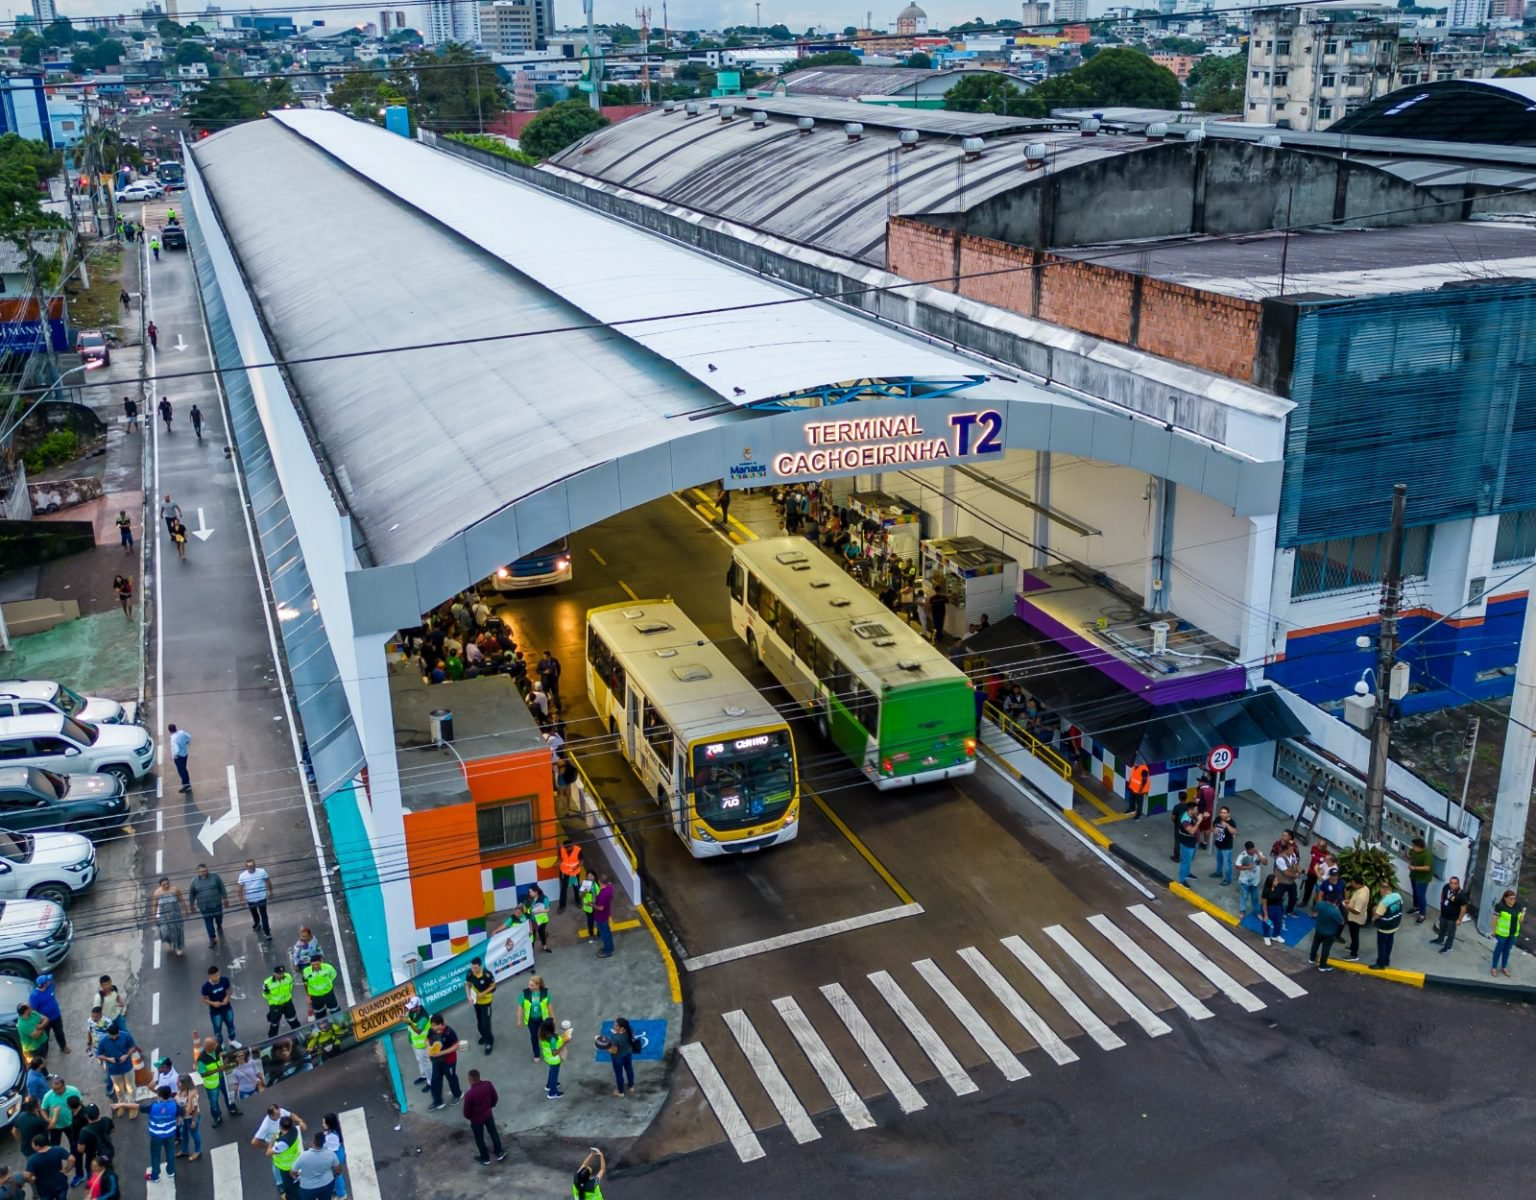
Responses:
[63,744]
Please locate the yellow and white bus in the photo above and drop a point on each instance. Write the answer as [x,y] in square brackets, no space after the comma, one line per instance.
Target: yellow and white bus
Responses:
[716,755]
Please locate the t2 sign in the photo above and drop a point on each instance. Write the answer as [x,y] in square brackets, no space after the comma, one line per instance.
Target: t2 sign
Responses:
[1220,759]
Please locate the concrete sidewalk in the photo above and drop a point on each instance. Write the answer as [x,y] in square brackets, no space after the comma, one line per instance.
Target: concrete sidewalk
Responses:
[1150,841]
[589,992]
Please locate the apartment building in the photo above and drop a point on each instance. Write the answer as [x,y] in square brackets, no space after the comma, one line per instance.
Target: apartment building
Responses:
[1307,67]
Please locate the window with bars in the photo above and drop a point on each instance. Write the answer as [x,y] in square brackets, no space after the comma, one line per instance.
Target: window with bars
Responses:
[1342,563]
[505,826]
[1517,537]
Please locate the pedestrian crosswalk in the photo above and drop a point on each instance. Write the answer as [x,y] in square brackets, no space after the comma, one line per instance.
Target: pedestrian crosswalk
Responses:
[240,1170]
[1060,985]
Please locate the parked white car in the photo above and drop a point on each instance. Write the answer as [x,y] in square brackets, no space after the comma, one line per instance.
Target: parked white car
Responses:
[35,937]
[45,866]
[71,747]
[37,697]
[142,189]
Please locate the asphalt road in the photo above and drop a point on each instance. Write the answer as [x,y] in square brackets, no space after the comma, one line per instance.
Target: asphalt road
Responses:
[1361,1089]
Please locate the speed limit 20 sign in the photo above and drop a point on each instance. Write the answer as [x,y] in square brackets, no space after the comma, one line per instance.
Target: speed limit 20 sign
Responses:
[1220,759]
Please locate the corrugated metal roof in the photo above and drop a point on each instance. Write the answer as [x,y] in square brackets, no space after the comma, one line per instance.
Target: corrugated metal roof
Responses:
[394,251]
[818,188]
[866,81]
[886,116]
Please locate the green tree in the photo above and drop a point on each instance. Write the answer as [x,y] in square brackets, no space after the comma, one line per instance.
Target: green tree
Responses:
[225,102]
[1181,45]
[59,33]
[24,165]
[919,60]
[169,31]
[361,94]
[1115,76]
[832,58]
[558,126]
[620,93]
[458,88]
[1519,71]
[850,31]
[993,92]
[109,52]
[1216,83]
[403,35]
[188,53]
[32,52]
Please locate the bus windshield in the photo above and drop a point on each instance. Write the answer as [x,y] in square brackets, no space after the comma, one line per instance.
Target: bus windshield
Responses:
[743,781]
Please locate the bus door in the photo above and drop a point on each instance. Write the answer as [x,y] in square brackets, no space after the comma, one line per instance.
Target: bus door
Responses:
[681,797]
[632,708]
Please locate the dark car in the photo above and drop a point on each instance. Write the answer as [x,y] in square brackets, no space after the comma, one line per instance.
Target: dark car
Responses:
[173,237]
[32,798]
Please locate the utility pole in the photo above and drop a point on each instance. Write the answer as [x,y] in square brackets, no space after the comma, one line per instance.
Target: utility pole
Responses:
[1506,838]
[1386,655]
[644,14]
[594,58]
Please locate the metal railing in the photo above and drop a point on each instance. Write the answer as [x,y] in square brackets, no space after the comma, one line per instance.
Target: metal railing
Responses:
[616,831]
[1028,740]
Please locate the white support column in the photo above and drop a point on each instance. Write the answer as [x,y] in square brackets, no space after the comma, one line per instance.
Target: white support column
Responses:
[1257,637]
[1043,499]
[385,811]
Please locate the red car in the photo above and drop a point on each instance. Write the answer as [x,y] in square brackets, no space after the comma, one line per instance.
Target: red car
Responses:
[91,345]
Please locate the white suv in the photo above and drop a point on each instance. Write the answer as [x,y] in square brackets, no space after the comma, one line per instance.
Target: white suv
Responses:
[63,744]
[45,866]
[35,937]
[34,697]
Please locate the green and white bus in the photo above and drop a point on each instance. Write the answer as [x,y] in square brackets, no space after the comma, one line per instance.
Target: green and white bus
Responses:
[717,756]
[892,703]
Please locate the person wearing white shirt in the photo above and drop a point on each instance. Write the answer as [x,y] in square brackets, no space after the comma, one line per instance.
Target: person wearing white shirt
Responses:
[256,890]
[181,745]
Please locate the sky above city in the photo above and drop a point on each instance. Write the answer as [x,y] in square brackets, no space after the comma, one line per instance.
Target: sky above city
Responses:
[684,14]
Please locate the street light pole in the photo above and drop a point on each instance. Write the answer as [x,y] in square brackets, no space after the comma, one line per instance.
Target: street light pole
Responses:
[1511,806]
[1386,655]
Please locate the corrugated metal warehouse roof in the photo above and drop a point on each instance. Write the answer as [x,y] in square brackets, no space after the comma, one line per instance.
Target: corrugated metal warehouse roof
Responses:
[870,81]
[819,188]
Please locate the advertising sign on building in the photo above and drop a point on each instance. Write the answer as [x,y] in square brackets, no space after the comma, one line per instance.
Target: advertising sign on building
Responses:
[507,952]
[822,445]
[381,1013]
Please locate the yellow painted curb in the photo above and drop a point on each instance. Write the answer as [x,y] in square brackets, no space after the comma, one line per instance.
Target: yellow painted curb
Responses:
[1088,830]
[667,960]
[1200,902]
[615,927]
[1392,974]
[1094,800]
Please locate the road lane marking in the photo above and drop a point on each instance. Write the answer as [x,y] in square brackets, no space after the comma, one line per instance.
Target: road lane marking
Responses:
[1152,969]
[226,1172]
[1151,1023]
[1004,1059]
[857,843]
[213,830]
[362,1173]
[879,1056]
[1070,1001]
[154,1012]
[848,1101]
[799,937]
[601,561]
[939,1054]
[1180,945]
[628,591]
[157,953]
[1250,957]
[1045,1037]
[159,862]
[732,1120]
[796,1119]
[159,820]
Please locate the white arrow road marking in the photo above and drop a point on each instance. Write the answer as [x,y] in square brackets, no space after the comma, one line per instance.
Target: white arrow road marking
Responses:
[202,532]
[180,345]
[212,830]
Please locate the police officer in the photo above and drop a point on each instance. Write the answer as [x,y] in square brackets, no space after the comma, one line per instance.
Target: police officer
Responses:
[320,983]
[210,1069]
[277,991]
[534,1011]
[1388,915]
[418,1025]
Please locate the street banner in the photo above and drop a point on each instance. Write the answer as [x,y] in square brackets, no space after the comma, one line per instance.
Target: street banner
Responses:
[509,951]
[381,1013]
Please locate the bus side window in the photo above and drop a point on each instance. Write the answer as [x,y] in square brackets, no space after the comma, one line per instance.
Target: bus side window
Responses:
[861,704]
[788,625]
[598,656]
[754,591]
[768,607]
[657,734]
[733,581]
[806,646]
[823,661]
[616,680]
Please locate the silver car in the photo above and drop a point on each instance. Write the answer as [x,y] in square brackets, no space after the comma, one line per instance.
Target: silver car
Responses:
[35,697]
[35,937]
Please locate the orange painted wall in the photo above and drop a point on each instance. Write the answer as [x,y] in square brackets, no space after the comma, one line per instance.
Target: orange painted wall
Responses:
[441,845]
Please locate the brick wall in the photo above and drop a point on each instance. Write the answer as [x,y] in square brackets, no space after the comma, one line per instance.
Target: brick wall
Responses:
[1204,329]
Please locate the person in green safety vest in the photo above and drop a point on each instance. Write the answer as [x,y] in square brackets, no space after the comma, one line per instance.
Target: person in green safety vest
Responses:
[418,1025]
[538,904]
[210,1069]
[320,984]
[588,1183]
[277,991]
[589,901]
[533,1010]
[284,1153]
[552,1043]
[1507,920]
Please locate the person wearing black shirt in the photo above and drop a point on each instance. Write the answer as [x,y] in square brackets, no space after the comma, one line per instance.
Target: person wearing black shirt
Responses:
[1453,903]
[443,1051]
[95,1138]
[28,1124]
[48,1169]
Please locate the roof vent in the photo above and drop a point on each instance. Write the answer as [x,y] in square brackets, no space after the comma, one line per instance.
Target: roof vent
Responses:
[727,111]
[1034,156]
[652,627]
[753,93]
[691,108]
[669,652]
[907,664]
[759,120]
[669,106]
[839,602]
[908,139]
[805,124]
[1272,140]
[821,583]
[972,147]
[790,558]
[1089,126]
[734,710]
[1157,131]
[1197,134]
[885,641]
[691,673]
[854,131]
